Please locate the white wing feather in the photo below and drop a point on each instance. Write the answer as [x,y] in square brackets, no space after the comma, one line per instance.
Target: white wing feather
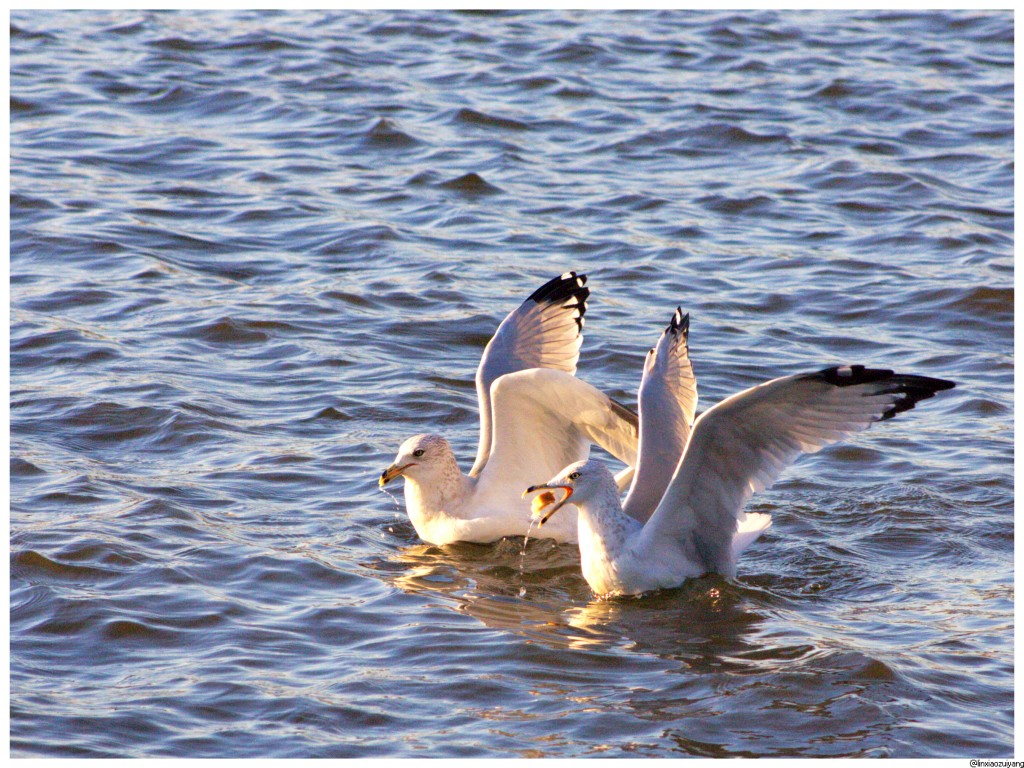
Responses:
[546,419]
[545,331]
[667,405]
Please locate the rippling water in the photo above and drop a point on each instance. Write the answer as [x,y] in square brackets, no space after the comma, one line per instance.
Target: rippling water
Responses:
[251,252]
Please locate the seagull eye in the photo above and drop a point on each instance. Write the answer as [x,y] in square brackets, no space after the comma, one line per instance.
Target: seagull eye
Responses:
[574,476]
[418,452]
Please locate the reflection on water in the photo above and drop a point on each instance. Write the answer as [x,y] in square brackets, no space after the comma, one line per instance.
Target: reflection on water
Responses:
[708,635]
[710,614]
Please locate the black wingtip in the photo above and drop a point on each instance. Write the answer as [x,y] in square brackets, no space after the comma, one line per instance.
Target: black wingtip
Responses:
[913,388]
[680,323]
[851,375]
[561,287]
[568,290]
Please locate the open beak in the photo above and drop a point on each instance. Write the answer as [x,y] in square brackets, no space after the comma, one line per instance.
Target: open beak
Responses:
[391,473]
[547,499]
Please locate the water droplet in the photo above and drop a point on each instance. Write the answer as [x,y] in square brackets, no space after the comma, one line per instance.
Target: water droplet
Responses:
[526,539]
[393,498]
[522,556]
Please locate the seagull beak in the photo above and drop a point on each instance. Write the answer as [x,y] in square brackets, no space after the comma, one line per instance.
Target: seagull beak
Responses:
[391,473]
[546,499]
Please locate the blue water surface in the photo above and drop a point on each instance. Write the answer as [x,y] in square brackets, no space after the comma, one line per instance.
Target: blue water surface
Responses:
[251,252]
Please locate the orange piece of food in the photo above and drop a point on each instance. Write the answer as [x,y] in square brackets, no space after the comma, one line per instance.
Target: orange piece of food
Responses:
[542,500]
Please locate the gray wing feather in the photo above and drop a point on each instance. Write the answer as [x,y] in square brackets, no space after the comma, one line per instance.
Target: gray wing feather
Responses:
[741,446]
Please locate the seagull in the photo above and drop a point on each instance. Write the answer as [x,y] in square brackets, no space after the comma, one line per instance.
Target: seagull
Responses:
[734,449]
[526,387]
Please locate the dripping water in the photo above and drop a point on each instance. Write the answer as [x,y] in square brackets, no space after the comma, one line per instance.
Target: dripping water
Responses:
[522,557]
[398,506]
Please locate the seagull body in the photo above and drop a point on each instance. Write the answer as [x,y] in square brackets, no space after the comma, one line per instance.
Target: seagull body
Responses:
[525,386]
[619,555]
[738,447]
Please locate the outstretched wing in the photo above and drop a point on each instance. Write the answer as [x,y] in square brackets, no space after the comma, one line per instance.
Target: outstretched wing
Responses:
[667,404]
[545,331]
[545,420]
[741,446]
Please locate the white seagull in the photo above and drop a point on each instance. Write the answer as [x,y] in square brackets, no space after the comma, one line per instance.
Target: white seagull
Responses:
[526,387]
[738,447]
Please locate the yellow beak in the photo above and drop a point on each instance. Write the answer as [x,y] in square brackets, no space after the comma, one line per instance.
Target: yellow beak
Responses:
[391,473]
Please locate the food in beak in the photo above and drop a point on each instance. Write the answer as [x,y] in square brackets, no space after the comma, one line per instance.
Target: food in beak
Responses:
[545,500]
[540,501]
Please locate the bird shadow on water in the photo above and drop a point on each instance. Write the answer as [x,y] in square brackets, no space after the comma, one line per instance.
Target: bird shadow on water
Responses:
[541,595]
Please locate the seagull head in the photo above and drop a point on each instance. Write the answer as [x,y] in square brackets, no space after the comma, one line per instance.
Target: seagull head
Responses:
[579,481]
[419,457]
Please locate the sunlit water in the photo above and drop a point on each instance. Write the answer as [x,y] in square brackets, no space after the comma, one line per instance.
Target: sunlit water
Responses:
[252,252]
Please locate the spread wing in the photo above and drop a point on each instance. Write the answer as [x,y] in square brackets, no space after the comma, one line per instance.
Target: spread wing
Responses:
[667,404]
[545,331]
[741,446]
[545,420]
